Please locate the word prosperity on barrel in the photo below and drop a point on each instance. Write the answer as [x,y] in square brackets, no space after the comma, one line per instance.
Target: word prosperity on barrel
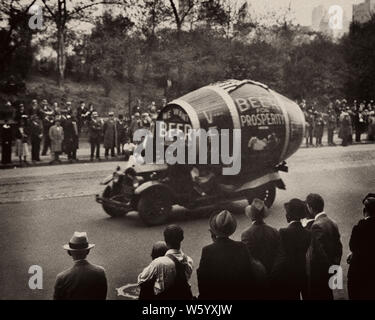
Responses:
[196,139]
[262,119]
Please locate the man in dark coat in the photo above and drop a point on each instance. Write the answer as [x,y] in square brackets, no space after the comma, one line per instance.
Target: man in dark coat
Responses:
[325,249]
[84,281]
[48,121]
[121,134]
[6,143]
[81,115]
[110,135]
[35,131]
[290,268]
[71,137]
[318,129]
[361,278]
[262,240]
[95,135]
[311,125]
[331,126]
[227,270]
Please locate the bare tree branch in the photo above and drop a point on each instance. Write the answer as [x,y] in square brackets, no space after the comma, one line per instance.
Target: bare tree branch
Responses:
[49,9]
[175,13]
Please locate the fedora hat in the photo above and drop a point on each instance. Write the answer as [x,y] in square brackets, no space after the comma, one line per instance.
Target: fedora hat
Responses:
[223,224]
[78,242]
[256,210]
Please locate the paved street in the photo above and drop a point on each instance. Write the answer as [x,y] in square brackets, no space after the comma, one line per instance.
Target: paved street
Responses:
[41,207]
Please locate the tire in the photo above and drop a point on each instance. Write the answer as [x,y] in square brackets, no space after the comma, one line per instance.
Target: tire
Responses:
[113,212]
[154,208]
[267,194]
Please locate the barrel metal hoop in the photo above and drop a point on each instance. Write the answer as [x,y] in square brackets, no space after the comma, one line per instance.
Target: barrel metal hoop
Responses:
[190,112]
[230,103]
[233,84]
[287,124]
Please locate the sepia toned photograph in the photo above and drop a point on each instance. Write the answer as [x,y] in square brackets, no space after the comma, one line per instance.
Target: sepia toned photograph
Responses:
[187,154]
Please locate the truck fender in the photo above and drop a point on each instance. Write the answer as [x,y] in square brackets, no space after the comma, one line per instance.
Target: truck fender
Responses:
[150,185]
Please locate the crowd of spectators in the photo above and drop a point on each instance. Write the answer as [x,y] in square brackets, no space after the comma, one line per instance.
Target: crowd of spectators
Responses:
[292,263]
[342,118]
[59,128]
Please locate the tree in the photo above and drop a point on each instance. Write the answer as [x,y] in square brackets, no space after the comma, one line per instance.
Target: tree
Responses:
[358,48]
[15,37]
[61,12]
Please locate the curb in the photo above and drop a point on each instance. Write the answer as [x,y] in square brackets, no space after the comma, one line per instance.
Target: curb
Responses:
[15,164]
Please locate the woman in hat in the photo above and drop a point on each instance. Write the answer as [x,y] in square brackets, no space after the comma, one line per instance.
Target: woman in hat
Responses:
[22,138]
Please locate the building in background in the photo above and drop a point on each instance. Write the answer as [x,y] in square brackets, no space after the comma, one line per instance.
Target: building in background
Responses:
[363,12]
[318,14]
[321,17]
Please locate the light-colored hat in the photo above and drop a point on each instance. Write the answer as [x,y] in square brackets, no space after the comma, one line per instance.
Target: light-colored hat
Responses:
[137,114]
[78,242]
[110,113]
[223,224]
[255,210]
[94,114]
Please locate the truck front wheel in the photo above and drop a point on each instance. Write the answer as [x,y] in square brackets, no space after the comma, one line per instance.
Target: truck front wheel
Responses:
[154,208]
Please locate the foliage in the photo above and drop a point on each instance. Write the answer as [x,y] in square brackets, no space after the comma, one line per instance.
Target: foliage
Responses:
[155,44]
[359,55]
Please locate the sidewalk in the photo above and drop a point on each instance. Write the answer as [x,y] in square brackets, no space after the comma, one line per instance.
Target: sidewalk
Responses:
[83,155]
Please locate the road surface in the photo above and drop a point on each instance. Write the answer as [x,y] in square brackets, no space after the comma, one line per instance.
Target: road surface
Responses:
[41,207]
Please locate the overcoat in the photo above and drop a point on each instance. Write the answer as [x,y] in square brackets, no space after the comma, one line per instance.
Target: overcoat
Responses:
[110,135]
[56,134]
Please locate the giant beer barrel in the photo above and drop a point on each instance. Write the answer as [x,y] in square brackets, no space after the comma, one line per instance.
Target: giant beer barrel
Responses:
[272,126]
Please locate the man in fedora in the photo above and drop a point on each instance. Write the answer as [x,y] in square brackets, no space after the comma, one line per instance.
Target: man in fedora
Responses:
[95,135]
[226,269]
[361,278]
[262,240]
[84,281]
[110,135]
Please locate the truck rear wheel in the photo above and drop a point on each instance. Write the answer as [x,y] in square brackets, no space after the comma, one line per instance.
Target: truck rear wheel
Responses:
[267,194]
[110,210]
[154,208]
